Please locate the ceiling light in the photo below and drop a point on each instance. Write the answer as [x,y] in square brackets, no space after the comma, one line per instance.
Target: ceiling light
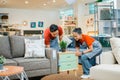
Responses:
[54,1]
[26,2]
[70,1]
[44,4]
[3,1]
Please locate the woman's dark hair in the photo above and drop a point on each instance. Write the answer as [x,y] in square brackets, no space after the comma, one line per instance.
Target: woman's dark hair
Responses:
[53,28]
[78,30]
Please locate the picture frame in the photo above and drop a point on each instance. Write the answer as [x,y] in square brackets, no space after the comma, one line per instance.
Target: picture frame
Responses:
[33,24]
[40,24]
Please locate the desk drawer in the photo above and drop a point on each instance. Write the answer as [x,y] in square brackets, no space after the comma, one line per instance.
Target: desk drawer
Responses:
[67,57]
[68,66]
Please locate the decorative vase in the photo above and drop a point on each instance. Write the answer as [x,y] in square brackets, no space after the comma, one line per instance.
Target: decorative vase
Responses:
[1,66]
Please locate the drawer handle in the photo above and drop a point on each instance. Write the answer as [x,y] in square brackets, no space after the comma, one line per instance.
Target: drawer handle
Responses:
[68,57]
[69,65]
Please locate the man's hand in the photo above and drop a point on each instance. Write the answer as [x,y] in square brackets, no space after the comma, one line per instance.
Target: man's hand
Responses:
[60,37]
[47,46]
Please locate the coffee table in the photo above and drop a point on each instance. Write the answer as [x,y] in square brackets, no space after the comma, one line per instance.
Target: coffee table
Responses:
[61,77]
[13,70]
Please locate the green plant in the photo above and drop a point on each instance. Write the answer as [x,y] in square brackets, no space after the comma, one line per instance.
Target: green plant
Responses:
[2,59]
[63,45]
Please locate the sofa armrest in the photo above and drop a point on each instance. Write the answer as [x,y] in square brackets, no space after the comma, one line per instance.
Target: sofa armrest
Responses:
[107,58]
[51,54]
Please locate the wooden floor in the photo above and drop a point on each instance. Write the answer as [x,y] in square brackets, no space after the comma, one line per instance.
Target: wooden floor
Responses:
[79,73]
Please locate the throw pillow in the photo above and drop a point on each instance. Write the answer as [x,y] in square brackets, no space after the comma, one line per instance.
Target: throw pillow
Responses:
[67,40]
[34,48]
[116,53]
[115,43]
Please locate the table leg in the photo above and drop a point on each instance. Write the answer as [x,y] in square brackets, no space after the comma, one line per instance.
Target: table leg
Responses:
[68,72]
[24,76]
[5,78]
[75,71]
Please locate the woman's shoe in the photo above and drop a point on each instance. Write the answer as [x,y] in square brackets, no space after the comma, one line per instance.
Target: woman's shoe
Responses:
[85,76]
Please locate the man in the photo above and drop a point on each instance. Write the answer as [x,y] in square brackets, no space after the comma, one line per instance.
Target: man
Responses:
[51,36]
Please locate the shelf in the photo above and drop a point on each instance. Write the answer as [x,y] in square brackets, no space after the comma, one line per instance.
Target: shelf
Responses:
[105,4]
[69,25]
[104,20]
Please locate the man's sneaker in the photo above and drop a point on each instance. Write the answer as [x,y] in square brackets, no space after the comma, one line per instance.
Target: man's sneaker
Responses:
[85,76]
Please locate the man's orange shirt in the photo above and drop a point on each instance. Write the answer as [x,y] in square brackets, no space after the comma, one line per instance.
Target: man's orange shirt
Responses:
[87,39]
[48,36]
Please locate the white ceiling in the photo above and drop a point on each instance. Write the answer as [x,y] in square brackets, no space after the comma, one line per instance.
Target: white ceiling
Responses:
[37,4]
[34,4]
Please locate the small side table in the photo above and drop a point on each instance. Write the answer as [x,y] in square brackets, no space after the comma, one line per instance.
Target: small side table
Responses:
[13,70]
[68,61]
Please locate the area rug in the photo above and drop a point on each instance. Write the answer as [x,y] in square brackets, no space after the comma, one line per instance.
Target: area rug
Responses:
[61,77]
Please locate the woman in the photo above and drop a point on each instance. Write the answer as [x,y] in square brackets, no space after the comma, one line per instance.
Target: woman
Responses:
[87,57]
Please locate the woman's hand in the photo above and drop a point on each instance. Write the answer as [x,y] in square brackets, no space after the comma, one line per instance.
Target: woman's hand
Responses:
[77,53]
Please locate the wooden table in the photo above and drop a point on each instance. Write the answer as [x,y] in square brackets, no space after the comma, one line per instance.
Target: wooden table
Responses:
[13,70]
[68,61]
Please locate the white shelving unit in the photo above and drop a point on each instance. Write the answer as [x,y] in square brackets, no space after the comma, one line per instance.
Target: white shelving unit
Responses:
[68,24]
[117,24]
[5,27]
[104,18]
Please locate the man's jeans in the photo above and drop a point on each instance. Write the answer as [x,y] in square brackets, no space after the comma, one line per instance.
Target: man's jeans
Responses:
[54,44]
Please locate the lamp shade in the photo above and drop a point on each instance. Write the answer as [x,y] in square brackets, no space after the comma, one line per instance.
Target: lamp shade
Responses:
[70,1]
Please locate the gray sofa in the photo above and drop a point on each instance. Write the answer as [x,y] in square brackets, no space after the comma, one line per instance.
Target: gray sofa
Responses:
[13,49]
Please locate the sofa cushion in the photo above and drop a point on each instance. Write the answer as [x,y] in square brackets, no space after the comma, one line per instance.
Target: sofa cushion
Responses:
[17,46]
[5,47]
[33,63]
[10,62]
[105,72]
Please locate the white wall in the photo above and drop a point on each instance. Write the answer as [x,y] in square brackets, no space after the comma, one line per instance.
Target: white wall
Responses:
[83,15]
[17,16]
[117,4]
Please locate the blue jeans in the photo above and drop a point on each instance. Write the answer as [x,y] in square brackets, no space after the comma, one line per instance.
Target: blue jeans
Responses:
[54,44]
[89,59]
[87,63]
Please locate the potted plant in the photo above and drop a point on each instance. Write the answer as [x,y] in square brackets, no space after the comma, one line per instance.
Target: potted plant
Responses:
[2,60]
[63,46]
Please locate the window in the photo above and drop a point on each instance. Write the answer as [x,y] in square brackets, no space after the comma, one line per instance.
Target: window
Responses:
[92,7]
[68,12]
